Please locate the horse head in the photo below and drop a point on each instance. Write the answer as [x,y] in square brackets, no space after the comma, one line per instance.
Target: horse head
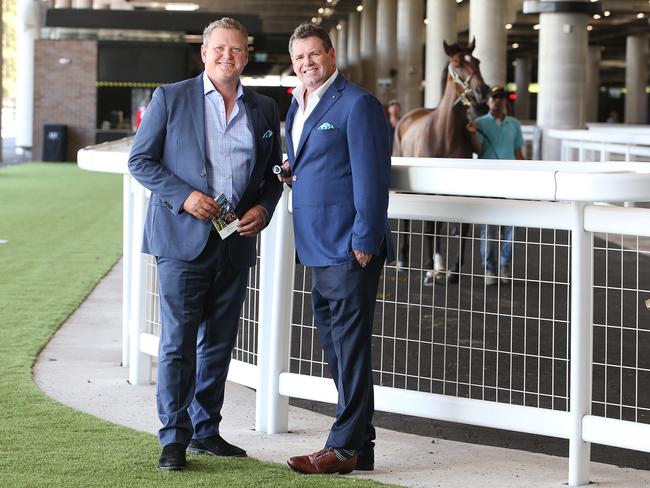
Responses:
[464,71]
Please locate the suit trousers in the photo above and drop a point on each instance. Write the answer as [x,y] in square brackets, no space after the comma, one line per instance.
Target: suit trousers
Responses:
[200,304]
[343,299]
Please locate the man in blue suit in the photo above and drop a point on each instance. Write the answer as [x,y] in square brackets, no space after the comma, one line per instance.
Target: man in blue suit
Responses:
[339,165]
[201,138]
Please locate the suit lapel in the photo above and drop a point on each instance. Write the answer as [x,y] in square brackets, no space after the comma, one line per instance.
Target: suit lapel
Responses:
[197,110]
[330,97]
[254,123]
[257,124]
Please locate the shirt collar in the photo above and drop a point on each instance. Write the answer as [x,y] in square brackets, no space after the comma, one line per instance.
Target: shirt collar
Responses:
[505,118]
[209,87]
[299,91]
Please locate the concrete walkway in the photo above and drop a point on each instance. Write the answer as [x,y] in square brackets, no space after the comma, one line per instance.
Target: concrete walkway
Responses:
[80,367]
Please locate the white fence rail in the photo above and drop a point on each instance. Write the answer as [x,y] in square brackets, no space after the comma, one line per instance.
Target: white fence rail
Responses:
[552,197]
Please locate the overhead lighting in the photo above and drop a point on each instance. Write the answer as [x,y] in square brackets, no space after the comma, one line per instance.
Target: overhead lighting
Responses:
[321,10]
[359,8]
[607,13]
[596,16]
[461,1]
[181,7]
[508,26]
[640,15]
[339,27]
[426,21]
[536,27]
[515,45]
[590,27]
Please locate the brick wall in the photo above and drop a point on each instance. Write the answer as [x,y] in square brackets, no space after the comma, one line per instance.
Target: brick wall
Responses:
[65,93]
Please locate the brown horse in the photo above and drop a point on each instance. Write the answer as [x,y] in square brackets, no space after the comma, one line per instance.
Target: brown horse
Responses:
[442,133]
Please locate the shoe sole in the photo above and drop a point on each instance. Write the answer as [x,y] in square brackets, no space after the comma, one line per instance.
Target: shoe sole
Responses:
[198,450]
[172,468]
[344,471]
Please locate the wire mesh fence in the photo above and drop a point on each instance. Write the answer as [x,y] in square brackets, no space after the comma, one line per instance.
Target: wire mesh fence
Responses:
[465,332]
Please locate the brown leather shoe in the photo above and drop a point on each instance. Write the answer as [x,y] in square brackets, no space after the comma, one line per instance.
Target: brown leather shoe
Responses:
[322,462]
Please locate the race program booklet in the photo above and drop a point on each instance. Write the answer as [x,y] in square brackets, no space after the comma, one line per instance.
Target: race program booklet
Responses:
[226,221]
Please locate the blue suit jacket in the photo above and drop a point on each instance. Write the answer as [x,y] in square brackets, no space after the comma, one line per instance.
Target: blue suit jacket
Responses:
[341,169]
[169,158]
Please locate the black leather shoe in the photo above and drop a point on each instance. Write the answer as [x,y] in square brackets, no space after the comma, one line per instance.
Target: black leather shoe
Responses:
[365,458]
[215,446]
[173,457]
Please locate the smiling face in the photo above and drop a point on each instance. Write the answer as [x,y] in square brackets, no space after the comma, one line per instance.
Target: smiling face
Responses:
[225,56]
[311,62]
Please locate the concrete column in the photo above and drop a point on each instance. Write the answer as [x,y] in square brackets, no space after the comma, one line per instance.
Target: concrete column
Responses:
[441,15]
[354,47]
[593,83]
[410,37]
[386,49]
[369,45]
[82,3]
[636,79]
[522,80]
[334,37]
[342,43]
[28,30]
[561,100]
[487,26]
[62,3]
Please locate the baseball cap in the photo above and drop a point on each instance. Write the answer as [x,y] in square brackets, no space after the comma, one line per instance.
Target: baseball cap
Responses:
[497,91]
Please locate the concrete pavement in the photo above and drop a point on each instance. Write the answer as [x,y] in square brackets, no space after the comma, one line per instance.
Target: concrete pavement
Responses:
[80,367]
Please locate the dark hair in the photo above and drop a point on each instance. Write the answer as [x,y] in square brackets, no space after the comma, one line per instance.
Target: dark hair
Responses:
[303,31]
[224,23]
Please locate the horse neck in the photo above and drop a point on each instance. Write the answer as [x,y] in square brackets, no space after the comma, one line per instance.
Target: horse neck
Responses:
[447,126]
[449,114]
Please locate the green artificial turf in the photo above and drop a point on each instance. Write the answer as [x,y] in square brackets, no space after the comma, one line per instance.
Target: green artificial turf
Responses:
[64,231]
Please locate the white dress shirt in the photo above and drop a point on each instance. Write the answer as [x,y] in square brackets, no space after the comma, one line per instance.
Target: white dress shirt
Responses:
[302,113]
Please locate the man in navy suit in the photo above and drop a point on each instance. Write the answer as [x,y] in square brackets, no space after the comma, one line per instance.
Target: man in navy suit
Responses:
[200,138]
[339,165]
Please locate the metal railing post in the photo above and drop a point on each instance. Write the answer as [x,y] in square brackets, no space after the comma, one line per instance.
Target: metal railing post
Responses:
[276,292]
[127,254]
[581,344]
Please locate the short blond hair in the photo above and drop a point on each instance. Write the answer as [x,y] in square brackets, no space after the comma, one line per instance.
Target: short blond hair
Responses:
[224,23]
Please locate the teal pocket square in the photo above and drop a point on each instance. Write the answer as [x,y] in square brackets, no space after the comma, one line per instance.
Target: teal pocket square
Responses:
[326,126]
[268,134]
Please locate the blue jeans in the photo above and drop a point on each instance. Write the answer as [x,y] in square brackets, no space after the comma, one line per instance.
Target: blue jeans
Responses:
[489,234]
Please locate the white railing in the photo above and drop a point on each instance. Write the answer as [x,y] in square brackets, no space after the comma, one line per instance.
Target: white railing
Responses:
[548,195]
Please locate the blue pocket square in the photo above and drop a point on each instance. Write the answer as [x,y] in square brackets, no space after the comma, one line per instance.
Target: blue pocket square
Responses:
[326,126]
[268,134]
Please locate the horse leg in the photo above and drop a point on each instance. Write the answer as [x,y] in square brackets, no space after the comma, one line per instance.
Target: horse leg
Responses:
[405,237]
[429,245]
[433,254]
[454,272]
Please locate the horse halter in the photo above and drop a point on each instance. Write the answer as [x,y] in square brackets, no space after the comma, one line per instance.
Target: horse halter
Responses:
[466,96]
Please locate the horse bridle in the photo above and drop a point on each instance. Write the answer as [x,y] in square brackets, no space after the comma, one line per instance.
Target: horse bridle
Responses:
[466,97]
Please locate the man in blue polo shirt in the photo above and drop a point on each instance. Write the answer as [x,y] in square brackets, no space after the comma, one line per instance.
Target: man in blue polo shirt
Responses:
[496,135]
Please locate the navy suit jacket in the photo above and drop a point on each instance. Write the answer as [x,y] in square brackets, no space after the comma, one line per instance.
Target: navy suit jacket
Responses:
[341,173]
[169,158]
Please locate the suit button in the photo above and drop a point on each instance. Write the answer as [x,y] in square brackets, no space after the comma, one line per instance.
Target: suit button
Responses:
[203,174]
[294,178]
